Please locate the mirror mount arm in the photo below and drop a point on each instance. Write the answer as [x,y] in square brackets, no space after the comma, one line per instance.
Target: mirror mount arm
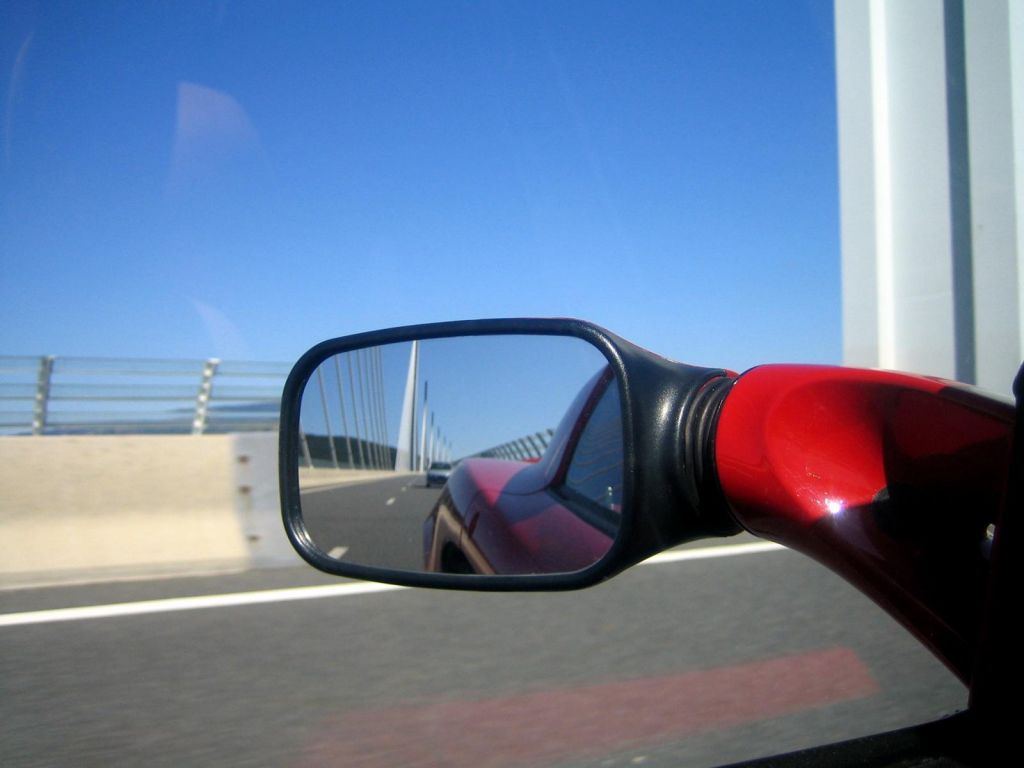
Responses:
[698,457]
[672,412]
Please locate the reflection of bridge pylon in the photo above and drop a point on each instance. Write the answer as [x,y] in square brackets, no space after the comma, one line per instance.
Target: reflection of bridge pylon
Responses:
[405,457]
[433,444]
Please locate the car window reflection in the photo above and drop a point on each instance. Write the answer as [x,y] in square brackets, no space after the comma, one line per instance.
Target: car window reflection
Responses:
[595,471]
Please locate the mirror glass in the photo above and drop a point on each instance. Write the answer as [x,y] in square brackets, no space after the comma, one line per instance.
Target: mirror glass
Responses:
[475,454]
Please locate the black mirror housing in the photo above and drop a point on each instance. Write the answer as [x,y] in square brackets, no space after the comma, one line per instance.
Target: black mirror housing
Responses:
[669,490]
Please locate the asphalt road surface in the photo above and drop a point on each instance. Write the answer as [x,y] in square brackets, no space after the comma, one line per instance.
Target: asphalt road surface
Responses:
[373,522]
[685,662]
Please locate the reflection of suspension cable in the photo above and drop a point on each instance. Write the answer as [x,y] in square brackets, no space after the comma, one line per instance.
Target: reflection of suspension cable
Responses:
[371,403]
[372,378]
[389,461]
[305,448]
[366,393]
[363,395]
[430,444]
[385,442]
[327,414]
[344,421]
[423,430]
[376,379]
[355,410]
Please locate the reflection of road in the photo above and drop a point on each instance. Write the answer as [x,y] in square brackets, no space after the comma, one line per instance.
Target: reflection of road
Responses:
[377,522]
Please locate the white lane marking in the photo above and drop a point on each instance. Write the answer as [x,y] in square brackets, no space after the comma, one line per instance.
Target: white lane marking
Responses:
[700,553]
[338,552]
[332,487]
[165,605]
[389,502]
[193,603]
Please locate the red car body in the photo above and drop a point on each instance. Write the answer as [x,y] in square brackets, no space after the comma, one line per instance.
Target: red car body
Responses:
[496,516]
[895,481]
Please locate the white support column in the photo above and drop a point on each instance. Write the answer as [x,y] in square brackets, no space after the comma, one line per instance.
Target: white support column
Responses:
[1016,31]
[894,186]
[994,92]
[930,157]
[859,225]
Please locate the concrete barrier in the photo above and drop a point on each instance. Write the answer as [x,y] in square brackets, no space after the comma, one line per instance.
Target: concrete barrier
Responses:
[318,478]
[96,508]
[258,501]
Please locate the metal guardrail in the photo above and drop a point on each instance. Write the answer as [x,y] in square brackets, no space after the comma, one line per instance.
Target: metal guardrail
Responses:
[95,395]
[526,448]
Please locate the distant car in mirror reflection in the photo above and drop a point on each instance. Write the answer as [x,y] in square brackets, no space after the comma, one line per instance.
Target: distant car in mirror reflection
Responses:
[559,514]
[437,473]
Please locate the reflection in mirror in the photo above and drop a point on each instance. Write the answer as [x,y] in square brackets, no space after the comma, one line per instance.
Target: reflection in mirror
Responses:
[477,454]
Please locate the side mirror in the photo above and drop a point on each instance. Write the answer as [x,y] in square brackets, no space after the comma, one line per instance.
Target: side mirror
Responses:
[502,454]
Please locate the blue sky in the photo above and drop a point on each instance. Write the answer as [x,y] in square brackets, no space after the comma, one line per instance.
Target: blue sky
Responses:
[244,179]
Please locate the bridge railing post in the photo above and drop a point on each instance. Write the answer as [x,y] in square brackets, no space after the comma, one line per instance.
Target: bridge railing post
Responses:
[42,399]
[203,396]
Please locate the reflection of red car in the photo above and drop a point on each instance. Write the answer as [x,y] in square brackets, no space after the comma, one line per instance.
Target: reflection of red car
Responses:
[555,515]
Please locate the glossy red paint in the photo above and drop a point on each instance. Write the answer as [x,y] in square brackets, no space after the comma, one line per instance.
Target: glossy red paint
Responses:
[501,517]
[505,517]
[892,480]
